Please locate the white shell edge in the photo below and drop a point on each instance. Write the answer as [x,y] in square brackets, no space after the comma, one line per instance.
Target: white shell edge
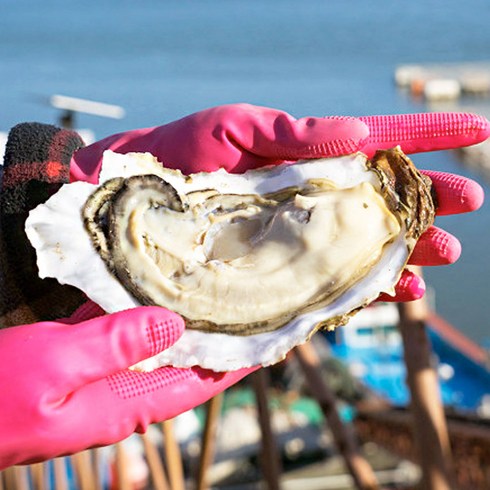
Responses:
[63,248]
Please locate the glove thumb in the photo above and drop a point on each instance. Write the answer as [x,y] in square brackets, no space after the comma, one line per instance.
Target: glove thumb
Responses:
[105,345]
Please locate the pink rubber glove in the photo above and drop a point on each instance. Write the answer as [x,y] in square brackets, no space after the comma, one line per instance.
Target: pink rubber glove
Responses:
[240,137]
[67,387]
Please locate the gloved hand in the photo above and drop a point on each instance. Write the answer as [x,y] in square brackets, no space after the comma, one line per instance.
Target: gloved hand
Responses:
[240,137]
[56,399]
[67,387]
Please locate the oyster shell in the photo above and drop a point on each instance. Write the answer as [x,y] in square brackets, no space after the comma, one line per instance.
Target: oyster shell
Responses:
[255,263]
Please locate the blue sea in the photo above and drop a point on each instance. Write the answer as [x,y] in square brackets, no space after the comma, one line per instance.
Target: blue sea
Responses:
[164,59]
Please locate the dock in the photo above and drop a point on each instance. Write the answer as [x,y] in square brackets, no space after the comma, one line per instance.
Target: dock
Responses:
[445,81]
[477,157]
[463,87]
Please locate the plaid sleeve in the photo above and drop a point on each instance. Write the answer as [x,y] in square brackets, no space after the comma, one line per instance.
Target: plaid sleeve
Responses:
[36,164]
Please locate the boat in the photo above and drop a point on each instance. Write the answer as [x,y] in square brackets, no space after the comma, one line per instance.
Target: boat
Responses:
[370,345]
[444,81]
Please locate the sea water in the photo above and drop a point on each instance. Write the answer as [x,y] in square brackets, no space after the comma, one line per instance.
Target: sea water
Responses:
[164,59]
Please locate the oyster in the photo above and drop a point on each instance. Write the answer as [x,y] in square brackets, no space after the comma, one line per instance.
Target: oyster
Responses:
[255,263]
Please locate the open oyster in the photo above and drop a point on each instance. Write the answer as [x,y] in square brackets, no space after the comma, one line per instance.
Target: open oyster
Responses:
[255,263]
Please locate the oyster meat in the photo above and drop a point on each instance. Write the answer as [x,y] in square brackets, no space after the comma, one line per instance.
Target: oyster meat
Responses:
[255,263]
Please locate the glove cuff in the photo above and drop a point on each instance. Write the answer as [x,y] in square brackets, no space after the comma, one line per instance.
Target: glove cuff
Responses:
[36,163]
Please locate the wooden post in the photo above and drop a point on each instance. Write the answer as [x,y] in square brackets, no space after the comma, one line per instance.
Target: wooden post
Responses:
[157,472]
[38,475]
[208,440]
[173,457]
[271,465]
[9,478]
[95,456]
[60,477]
[429,423]
[83,470]
[121,465]
[360,470]
[22,477]
[15,478]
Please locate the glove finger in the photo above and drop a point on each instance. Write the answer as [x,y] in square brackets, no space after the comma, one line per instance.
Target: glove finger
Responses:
[277,136]
[425,132]
[110,343]
[455,194]
[86,162]
[436,247]
[129,401]
[246,137]
[236,137]
[85,312]
[410,287]
[185,388]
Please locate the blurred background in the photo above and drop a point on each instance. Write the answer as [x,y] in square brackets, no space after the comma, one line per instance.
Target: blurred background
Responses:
[157,61]
[160,61]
